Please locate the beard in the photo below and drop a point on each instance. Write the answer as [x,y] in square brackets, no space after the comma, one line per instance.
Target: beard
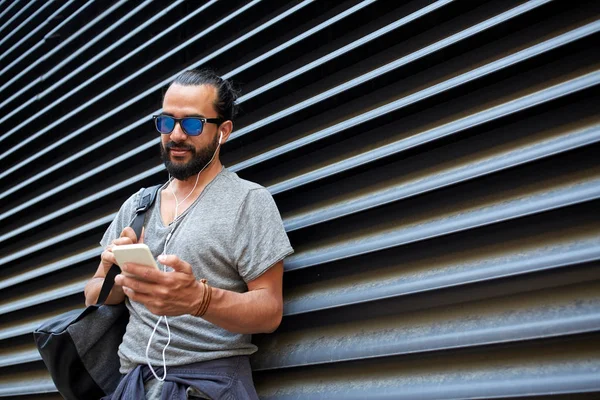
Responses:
[200,159]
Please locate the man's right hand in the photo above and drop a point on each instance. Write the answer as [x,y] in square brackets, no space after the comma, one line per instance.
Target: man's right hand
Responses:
[107,259]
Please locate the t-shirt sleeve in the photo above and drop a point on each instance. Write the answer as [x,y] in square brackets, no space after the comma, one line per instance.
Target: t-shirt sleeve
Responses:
[259,237]
[122,219]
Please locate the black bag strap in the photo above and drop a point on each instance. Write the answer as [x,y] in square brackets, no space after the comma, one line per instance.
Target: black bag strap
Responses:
[146,200]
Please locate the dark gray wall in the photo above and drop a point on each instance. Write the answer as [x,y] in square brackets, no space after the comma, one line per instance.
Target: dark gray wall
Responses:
[435,163]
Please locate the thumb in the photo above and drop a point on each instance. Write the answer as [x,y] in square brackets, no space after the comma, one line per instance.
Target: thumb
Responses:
[129,233]
[171,260]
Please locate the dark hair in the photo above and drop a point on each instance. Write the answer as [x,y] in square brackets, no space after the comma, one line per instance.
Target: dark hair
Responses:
[226,93]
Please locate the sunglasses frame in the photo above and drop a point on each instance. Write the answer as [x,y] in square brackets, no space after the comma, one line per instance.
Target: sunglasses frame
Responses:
[217,121]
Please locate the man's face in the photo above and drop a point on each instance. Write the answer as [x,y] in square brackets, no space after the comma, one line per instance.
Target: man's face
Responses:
[185,156]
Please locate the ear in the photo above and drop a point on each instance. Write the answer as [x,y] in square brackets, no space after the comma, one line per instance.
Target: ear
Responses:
[225,129]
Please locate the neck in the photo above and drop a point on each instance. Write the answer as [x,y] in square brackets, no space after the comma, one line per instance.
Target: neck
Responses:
[183,187]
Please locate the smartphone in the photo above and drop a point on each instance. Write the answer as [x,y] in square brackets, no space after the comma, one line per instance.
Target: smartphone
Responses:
[134,253]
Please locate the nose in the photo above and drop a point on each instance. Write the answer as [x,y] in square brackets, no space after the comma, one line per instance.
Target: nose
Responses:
[178,135]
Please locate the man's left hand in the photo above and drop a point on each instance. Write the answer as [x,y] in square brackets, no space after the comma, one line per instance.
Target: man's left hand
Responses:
[163,293]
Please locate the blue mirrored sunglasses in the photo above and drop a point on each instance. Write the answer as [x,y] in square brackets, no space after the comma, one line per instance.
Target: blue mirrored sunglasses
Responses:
[191,126]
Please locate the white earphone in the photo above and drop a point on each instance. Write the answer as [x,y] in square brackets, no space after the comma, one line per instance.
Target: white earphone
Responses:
[177,203]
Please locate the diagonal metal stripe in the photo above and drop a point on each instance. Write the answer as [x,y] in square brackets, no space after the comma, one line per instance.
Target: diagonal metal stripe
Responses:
[139,122]
[131,53]
[67,161]
[71,57]
[588,80]
[329,170]
[103,221]
[483,26]
[388,150]
[126,18]
[79,178]
[38,28]
[50,268]
[494,164]
[96,57]
[105,192]
[299,38]
[511,159]
[321,26]
[21,357]
[380,338]
[55,294]
[33,49]
[17,15]
[61,45]
[343,50]
[539,370]
[152,89]
[77,204]
[10,6]
[480,27]
[24,24]
[22,329]
[488,215]
[561,257]
[588,136]
[29,389]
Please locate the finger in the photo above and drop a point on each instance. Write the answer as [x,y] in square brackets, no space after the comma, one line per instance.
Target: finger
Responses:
[149,274]
[121,241]
[134,284]
[128,232]
[108,257]
[142,236]
[147,300]
[136,296]
[176,263]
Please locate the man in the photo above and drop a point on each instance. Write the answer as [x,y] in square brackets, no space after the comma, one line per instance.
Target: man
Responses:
[220,244]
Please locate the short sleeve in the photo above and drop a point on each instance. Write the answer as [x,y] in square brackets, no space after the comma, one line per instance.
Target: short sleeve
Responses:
[259,238]
[121,220]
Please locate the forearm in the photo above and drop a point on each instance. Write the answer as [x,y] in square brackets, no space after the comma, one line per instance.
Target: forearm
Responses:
[256,311]
[92,291]
[259,310]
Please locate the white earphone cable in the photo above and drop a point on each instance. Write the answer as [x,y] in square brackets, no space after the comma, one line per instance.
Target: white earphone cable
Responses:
[177,203]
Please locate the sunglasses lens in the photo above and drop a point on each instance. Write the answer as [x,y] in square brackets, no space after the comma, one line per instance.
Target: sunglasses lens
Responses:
[192,126]
[165,124]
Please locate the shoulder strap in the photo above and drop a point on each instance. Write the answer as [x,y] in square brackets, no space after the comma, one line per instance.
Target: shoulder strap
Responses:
[146,200]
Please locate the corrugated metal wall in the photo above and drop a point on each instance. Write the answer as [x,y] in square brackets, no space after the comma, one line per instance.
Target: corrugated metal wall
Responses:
[435,163]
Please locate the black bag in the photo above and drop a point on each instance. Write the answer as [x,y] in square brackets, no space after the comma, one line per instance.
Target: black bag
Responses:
[79,348]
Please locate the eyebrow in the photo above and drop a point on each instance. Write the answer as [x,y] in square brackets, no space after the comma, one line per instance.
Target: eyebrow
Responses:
[186,116]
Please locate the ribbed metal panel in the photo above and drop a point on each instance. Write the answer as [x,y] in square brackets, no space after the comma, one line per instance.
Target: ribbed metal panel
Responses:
[435,164]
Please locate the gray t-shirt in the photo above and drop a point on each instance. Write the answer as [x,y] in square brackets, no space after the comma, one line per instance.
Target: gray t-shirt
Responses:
[230,235]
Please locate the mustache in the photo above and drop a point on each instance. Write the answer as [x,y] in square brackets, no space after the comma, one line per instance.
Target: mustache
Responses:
[172,145]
